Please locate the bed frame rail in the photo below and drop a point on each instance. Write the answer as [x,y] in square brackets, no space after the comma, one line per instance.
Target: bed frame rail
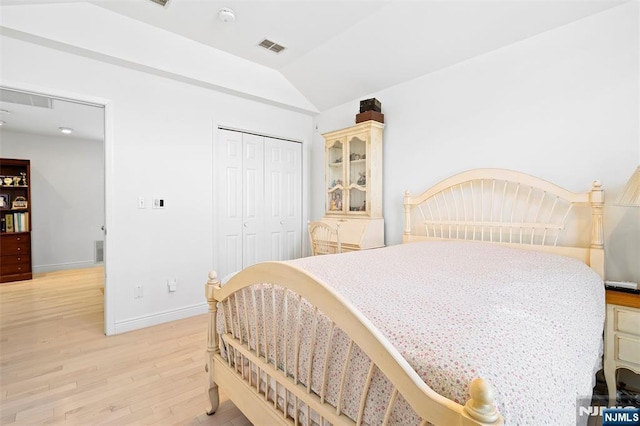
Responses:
[504,206]
[267,377]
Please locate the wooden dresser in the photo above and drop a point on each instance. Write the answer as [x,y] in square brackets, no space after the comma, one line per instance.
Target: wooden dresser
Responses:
[621,337]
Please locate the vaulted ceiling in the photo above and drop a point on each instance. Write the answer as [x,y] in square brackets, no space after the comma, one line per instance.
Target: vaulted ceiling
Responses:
[336,51]
[340,50]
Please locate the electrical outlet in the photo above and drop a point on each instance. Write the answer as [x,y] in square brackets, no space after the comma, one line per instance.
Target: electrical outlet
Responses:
[141,204]
[172,284]
[158,203]
[138,292]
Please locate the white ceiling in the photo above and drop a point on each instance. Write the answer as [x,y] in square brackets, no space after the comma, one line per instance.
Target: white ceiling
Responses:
[86,121]
[338,51]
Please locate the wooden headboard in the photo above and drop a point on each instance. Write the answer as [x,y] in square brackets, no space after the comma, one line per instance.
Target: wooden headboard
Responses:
[508,207]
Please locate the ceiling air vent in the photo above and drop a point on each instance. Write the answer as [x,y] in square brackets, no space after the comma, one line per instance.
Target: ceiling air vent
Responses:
[24,98]
[161,2]
[269,45]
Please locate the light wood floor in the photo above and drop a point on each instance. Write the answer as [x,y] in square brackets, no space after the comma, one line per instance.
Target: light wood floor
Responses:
[57,366]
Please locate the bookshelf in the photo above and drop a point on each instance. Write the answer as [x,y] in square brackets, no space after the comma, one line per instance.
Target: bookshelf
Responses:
[15,220]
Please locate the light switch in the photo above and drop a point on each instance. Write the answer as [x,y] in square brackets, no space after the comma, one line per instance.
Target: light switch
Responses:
[173,284]
[141,204]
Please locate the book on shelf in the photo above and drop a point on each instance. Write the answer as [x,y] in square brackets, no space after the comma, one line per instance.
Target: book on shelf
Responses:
[20,222]
[15,222]
[9,222]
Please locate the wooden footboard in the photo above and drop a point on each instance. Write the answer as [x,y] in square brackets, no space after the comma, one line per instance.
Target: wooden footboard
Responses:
[271,381]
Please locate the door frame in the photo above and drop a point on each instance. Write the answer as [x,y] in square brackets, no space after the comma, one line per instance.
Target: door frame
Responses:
[108,107]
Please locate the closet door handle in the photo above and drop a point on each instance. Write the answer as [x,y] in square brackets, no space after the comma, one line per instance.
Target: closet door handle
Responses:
[246,225]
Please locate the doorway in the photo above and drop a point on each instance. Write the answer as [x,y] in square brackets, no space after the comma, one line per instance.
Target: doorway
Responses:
[65,141]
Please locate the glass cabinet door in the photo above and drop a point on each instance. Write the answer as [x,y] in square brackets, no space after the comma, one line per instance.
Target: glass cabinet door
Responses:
[357,174]
[335,177]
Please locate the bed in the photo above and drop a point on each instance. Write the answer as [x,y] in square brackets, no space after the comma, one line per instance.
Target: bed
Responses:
[490,313]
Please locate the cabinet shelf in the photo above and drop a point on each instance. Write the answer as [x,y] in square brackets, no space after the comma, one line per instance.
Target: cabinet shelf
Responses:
[359,171]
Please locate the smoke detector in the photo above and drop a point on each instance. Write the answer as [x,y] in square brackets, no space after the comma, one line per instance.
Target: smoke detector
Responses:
[226,15]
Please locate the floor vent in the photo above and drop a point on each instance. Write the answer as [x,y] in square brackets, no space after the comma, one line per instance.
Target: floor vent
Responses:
[23,98]
[98,251]
[269,45]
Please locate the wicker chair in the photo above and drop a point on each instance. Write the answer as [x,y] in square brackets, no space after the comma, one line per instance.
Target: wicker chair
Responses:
[324,239]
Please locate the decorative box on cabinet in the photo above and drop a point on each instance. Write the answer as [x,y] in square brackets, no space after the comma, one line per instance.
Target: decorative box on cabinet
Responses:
[15,214]
[621,337]
[353,185]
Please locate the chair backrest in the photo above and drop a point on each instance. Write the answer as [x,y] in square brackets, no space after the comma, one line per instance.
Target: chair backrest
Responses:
[324,239]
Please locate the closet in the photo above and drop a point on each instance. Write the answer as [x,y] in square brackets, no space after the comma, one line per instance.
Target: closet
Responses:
[258,200]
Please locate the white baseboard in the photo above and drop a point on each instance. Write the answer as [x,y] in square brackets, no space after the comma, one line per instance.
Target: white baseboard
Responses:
[160,318]
[65,266]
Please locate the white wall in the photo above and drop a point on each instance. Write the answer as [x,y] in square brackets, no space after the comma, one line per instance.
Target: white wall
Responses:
[67,197]
[562,105]
[159,144]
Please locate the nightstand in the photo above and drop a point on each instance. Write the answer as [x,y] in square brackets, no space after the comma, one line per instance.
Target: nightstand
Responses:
[621,337]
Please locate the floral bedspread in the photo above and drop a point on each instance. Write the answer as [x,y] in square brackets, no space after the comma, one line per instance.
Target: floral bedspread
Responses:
[529,323]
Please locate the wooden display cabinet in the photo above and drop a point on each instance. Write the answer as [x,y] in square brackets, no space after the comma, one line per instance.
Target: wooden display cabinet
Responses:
[353,182]
[15,218]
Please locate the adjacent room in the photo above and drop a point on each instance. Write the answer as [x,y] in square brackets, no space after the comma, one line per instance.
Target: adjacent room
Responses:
[157,157]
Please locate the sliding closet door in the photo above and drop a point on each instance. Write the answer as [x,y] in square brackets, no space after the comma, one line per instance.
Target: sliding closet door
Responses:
[283,199]
[229,202]
[253,243]
[258,200]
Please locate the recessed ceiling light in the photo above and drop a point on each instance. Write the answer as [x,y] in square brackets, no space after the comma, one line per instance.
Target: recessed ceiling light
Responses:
[2,122]
[66,130]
